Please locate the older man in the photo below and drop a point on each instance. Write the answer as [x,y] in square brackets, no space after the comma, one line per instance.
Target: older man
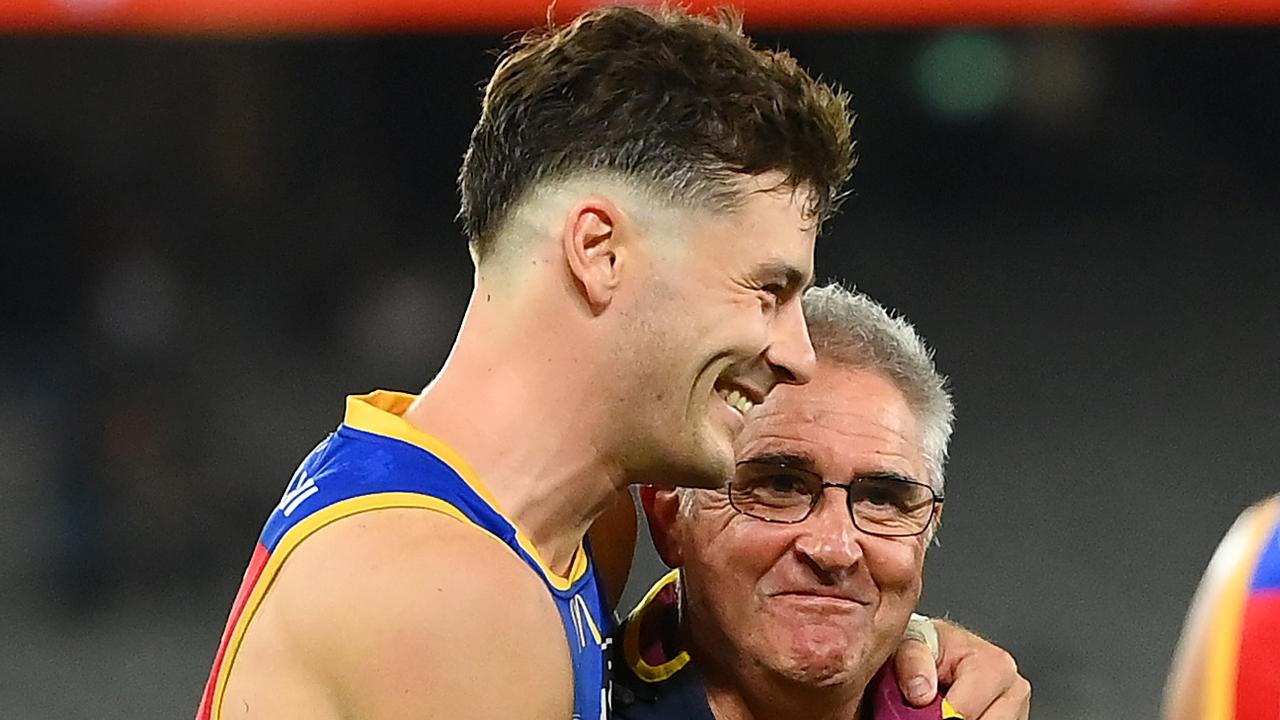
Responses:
[796,580]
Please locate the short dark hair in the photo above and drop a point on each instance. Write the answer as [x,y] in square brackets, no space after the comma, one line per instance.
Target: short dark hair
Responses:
[683,104]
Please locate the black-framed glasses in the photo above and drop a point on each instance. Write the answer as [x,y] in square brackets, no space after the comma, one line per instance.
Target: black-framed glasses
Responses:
[886,505]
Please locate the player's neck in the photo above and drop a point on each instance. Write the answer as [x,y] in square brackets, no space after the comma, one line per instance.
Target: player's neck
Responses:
[510,403]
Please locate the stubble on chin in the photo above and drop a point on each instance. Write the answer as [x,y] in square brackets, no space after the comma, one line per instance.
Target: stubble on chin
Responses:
[819,655]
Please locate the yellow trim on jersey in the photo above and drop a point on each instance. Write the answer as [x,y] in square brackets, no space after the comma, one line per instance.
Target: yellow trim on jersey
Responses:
[1219,700]
[380,413]
[949,711]
[631,639]
[591,623]
[291,540]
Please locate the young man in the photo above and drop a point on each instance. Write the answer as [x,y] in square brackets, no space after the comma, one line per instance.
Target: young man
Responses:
[642,194]
[796,579]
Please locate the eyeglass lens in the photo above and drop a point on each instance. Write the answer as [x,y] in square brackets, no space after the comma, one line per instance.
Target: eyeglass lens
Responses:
[880,504]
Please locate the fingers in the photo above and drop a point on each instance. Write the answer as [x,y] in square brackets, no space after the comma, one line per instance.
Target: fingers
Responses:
[955,643]
[983,678]
[917,674]
[987,682]
[1014,704]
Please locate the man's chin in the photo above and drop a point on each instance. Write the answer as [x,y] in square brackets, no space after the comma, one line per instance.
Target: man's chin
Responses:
[819,672]
[719,463]
[709,476]
[703,466]
[824,660]
[708,464]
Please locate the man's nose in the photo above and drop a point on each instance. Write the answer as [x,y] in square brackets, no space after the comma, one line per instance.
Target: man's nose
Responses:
[790,353]
[829,543]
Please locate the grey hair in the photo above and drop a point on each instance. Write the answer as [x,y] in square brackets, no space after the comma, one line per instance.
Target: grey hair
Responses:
[848,328]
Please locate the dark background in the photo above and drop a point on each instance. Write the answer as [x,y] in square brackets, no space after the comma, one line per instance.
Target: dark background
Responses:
[207,243]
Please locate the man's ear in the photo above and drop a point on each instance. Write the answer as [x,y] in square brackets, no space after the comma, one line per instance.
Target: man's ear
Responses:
[662,510]
[592,240]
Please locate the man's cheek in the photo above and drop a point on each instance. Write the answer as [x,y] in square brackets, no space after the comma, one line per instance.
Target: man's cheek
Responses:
[895,564]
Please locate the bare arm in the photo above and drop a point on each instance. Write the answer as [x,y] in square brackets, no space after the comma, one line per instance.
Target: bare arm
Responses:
[1186,692]
[400,614]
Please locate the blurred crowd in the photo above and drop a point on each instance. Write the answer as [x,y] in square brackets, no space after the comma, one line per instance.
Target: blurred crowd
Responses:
[207,243]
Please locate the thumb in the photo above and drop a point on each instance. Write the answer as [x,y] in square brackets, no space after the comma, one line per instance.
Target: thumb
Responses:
[917,674]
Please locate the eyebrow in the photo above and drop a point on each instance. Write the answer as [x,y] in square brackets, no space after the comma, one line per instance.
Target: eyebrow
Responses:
[794,279]
[804,462]
[888,475]
[796,460]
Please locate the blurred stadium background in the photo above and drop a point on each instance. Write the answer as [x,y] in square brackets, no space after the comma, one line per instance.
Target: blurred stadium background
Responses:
[217,218]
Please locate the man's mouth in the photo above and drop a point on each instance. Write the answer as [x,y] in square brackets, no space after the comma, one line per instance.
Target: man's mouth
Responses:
[820,597]
[739,397]
[736,400]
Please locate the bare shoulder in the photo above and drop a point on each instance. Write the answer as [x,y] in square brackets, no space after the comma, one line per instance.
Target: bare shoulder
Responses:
[411,613]
[1184,694]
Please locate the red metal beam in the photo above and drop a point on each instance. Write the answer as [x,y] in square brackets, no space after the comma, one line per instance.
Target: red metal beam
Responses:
[307,16]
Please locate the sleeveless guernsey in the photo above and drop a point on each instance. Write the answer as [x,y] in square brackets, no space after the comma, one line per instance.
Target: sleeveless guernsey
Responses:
[1242,670]
[377,460]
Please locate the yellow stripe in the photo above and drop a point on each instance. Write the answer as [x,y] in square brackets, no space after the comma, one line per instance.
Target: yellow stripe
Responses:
[1224,641]
[591,622]
[296,535]
[380,413]
[631,639]
[949,712]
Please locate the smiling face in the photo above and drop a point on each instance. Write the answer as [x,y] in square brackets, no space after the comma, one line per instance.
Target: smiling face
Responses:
[717,326]
[816,602]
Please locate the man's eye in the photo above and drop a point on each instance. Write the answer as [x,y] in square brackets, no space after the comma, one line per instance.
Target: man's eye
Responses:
[882,496]
[773,295]
[783,484]
[890,494]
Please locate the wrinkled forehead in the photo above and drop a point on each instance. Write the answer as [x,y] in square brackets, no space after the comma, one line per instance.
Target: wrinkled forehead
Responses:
[847,421]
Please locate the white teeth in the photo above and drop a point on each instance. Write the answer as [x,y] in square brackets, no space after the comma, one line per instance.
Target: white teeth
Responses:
[739,402]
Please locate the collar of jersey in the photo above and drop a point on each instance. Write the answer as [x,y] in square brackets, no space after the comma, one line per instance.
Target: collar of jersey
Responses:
[657,604]
[381,412]
[654,605]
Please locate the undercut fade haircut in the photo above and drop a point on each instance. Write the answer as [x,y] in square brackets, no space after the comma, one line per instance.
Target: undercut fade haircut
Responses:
[850,329]
[681,106]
